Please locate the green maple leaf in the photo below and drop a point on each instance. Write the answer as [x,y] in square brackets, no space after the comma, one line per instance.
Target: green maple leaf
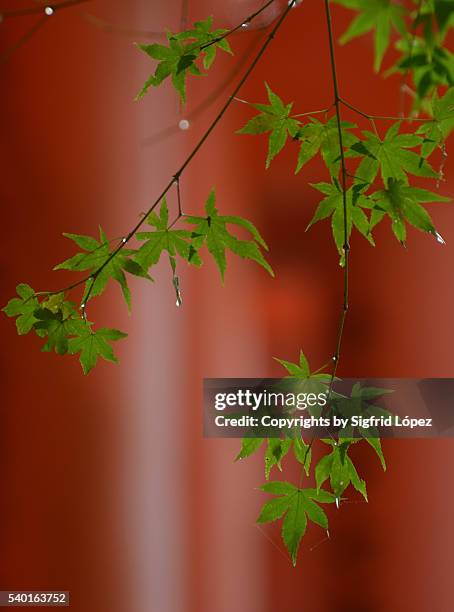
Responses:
[302,452]
[339,469]
[92,344]
[212,230]
[275,452]
[303,381]
[210,40]
[439,70]
[175,61]
[277,448]
[376,445]
[56,303]
[333,206]
[380,16]
[436,131]
[401,203]
[297,506]
[296,370]
[23,308]
[274,118]
[431,65]
[444,13]
[178,58]
[164,239]
[367,393]
[58,325]
[68,332]
[248,447]
[358,404]
[96,254]
[324,137]
[391,156]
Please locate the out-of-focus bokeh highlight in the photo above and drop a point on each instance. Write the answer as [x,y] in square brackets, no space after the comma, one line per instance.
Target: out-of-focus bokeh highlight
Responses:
[109,489]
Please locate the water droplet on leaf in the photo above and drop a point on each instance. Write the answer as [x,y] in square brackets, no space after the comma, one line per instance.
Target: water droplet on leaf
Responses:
[176,284]
[232,12]
[439,238]
[184,125]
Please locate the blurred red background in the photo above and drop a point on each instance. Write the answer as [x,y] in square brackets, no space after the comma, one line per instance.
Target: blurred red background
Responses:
[109,489]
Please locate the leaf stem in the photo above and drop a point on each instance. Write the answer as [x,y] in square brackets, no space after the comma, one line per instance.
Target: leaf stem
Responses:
[404,88]
[317,112]
[306,114]
[5,55]
[346,245]
[180,211]
[382,117]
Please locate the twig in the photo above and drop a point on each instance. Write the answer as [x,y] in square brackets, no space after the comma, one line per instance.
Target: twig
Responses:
[184,14]
[242,24]
[23,39]
[36,10]
[91,279]
[212,97]
[382,117]
[180,211]
[346,245]
[263,110]
[109,27]
[317,112]
[404,84]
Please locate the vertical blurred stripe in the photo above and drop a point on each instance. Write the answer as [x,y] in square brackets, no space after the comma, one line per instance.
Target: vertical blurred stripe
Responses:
[156,438]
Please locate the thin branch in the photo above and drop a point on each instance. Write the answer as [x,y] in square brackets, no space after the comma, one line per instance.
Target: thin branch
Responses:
[77,283]
[184,14]
[382,117]
[46,11]
[4,57]
[37,10]
[317,112]
[346,245]
[176,176]
[263,110]
[212,97]
[404,84]
[241,25]
[109,27]
[180,212]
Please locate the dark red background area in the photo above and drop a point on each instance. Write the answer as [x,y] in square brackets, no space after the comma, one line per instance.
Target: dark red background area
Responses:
[108,488]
